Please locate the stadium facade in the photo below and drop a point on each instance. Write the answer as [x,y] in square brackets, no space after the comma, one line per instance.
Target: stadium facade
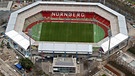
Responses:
[96,13]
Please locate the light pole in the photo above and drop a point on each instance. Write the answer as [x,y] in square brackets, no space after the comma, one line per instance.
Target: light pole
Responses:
[29,33]
[109,36]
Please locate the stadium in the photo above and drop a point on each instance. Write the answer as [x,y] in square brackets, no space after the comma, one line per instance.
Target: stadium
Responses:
[66,27]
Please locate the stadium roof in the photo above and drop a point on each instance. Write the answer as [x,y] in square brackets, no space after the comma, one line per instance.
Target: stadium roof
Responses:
[114,41]
[59,47]
[24,43]
[19,39]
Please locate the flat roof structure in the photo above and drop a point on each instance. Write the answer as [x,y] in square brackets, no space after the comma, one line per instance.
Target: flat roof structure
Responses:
[64,65]
[132,63]
[125,57]
[17,19]
[19,39]
[114,41]
[128,59]
[58,47]
[64,62]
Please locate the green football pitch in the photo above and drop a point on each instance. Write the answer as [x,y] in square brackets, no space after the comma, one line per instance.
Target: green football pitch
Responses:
[67,32]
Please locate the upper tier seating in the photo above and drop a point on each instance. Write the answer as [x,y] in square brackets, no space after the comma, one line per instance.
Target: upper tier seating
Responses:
[88,15]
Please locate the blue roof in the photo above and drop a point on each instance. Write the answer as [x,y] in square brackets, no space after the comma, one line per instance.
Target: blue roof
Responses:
[18,66]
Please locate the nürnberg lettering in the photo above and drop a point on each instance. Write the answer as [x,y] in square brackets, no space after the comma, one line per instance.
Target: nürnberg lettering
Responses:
[68,14]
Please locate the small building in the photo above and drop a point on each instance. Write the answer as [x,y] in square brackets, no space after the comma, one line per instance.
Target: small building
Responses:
[64,65]
[18,66]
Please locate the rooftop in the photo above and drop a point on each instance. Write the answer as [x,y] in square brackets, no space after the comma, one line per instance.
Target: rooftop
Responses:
[64,62]
[17,19]
[65,47]
[132,63]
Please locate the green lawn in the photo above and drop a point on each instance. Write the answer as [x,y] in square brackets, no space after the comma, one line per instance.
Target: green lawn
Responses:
[36,31]
[67,32]
[98,33]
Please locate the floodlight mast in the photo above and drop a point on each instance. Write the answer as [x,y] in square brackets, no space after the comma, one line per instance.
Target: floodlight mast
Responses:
[109,36]
[29,33]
